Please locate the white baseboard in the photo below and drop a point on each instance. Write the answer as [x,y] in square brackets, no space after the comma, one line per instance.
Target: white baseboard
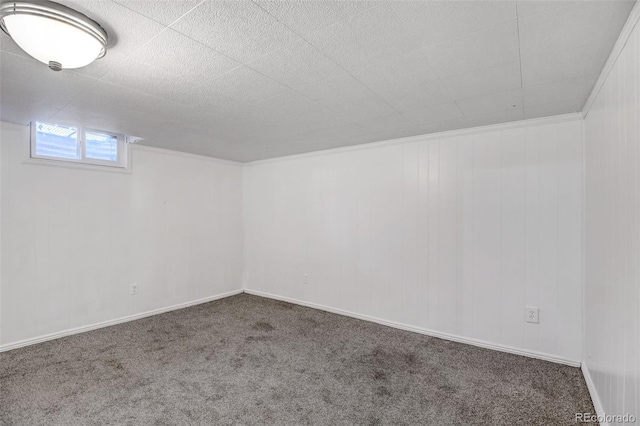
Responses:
[433,333]
[72,331]
[595,398]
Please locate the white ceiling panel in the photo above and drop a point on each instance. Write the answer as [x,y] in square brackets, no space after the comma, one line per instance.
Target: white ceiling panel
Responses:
[361,109]
[496,79]
[341,89]
[286,104]
[397,72]
[238,29]
[184,57]
[25,79]
[25,111]
[416,97]
[387,122]
[344,131]
[564,65]
[308,17]
[282,126]
[496,102]
[245,80]
[445,112]
[558,91]
[143,116]
[582,23]
[482,49]
[147,78]
[22,94]
[297,64]
[242,84]
[431,22]
[532,7]
[369,36]
[309,122]
[163,11]
[113,101]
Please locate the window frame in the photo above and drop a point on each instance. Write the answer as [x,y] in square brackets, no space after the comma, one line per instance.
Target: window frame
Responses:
[121,163]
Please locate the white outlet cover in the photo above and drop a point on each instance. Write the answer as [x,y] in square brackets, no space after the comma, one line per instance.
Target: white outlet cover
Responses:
[532,314]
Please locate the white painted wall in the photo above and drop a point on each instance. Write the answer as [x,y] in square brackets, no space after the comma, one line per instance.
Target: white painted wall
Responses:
[612,239]
[74,240]
[453,235]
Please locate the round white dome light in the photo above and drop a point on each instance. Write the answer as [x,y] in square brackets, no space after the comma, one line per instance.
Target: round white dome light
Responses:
[53,34]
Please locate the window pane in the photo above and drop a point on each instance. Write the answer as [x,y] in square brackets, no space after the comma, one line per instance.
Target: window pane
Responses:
[57,141]
[100,146]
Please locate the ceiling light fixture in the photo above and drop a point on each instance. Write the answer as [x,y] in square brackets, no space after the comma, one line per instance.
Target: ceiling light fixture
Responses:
[53,34]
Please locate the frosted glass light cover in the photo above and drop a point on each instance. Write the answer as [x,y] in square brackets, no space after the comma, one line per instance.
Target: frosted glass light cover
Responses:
[50,40]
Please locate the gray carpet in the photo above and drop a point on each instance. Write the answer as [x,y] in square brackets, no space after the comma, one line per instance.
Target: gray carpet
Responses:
[250,360]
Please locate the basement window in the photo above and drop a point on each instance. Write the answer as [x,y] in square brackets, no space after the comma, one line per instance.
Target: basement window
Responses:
[77,145]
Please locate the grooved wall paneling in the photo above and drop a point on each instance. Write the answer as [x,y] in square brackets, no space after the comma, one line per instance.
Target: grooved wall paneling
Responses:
[455,235]
[74,240]
[612,239]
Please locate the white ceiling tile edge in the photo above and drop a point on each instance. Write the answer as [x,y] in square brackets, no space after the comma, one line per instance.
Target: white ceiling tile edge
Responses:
[574,116]
[632,21]
[174,153]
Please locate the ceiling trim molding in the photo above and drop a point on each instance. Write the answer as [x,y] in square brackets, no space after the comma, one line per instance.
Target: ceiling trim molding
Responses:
[13,126]
[165,151]
[575,116]
[626,32]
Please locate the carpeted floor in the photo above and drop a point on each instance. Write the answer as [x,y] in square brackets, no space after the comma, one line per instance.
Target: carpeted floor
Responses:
[250,360]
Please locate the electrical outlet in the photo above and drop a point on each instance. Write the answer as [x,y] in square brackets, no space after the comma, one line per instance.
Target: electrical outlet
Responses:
[133,290]
[305,278]
[531,314]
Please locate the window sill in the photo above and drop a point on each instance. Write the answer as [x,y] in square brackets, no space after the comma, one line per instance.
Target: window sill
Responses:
[72,165]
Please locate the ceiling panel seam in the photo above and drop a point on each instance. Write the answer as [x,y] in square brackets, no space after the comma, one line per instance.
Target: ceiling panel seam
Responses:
[100,79]
[124,4]
[333,60]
